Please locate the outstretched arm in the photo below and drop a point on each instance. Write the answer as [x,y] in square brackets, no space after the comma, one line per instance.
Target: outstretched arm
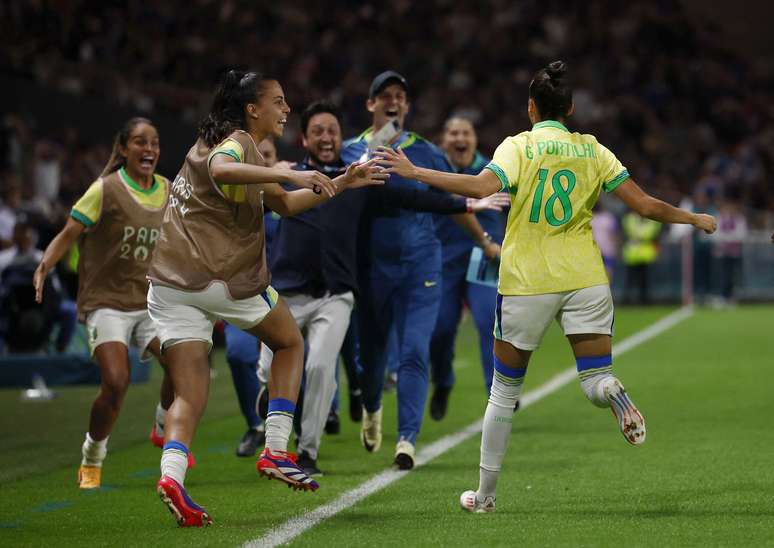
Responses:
[291,203]
[647,206]
[54,252]
[225,170]
[474,186]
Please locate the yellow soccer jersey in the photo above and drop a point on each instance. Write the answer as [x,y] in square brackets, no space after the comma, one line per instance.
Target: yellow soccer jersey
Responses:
[554,178]
[88,209]
[230,147]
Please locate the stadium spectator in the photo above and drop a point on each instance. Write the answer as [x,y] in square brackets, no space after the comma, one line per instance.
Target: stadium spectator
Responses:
[640,250]
[607,235]
[732,231]
[25,326]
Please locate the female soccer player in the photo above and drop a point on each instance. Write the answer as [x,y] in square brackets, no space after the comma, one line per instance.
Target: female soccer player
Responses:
[117,221]
[550,266]
[210,263]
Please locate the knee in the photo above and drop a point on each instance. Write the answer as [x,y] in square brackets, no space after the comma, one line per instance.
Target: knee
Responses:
[114,387]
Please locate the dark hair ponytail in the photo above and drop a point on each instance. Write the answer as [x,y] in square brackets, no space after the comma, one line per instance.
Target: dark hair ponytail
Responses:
[551,91]
[116,161]
[236,89]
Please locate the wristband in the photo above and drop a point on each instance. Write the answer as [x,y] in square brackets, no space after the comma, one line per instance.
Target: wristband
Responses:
[469,205]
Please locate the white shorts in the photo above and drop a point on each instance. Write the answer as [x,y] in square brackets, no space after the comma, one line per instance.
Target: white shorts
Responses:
[190,315]
[130,328]
[522,320]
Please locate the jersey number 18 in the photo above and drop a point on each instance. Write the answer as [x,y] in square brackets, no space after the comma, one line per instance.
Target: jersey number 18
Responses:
[560,193]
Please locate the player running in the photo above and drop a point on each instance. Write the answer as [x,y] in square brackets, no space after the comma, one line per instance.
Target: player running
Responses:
[116,223]
[550,266]
[210,264]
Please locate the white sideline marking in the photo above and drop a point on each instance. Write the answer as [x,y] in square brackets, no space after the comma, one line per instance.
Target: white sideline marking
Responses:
[298,525]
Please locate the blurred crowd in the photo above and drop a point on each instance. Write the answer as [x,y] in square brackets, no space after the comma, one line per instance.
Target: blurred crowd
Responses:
[681,110]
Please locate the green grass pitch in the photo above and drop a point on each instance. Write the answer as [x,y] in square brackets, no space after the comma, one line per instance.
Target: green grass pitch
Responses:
[705,476]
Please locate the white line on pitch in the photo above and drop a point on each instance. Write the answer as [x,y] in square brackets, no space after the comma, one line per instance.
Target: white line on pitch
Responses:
[295,526]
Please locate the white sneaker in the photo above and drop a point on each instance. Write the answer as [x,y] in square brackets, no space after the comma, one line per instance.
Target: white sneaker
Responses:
[469,501]
[371,430]
[630,421]
[404,455]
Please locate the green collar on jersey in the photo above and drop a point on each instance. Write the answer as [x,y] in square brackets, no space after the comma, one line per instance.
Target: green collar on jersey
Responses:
[130,182]
[550,123]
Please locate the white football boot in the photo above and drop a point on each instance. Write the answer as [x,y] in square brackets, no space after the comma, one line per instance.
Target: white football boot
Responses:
[469,501]
[630,421]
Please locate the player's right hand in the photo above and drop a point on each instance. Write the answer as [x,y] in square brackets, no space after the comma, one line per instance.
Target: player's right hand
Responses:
[38,279]
[705,222]
[314,180]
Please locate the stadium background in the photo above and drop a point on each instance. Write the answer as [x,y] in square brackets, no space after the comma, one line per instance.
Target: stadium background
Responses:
[682,91]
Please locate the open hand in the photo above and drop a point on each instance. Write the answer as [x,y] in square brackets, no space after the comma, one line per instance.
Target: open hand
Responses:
[496,202]
[365,174]
[318,182]
[395,161]
[707,223]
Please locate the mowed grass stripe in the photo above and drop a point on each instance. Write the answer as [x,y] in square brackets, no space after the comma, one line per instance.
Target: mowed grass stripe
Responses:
[300,524]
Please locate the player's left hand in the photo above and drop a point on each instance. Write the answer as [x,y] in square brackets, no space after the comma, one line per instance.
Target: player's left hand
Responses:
[365,174]
[396,161]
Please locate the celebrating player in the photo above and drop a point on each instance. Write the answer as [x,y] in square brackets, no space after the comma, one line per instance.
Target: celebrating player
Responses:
[210,263]
[550,266]
[459,141]
[116,223]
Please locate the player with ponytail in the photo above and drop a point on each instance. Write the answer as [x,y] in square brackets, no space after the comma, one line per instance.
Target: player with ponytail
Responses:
[116,224]
[550,267]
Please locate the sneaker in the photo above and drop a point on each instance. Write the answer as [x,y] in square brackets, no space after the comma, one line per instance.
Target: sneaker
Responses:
[158,441]
[282,465]
[439,402]
[308,464]
[251,441]
[332,424]
[262,403]
[630,421]
[404,455]
[187,513]
[356,405]
[470,502]
[371,430]
[89,477]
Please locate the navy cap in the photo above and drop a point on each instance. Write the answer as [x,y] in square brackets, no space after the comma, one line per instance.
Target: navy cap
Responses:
[383,80]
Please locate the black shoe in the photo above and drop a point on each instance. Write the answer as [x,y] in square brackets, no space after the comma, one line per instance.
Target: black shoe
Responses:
[439,402]
[262,404]
[356,406]
[308,464]
[251,441]
[332,424]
